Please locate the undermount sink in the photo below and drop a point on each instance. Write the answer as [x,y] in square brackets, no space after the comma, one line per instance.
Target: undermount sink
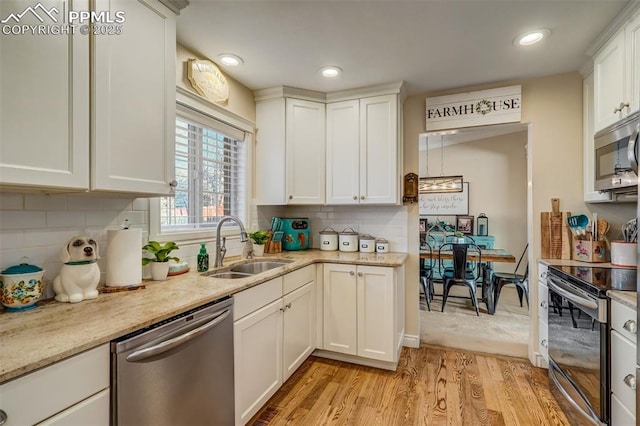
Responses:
[258,267]
[228,275]
[248,269]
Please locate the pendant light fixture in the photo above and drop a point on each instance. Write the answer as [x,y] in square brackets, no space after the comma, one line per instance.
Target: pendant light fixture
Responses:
[442,183]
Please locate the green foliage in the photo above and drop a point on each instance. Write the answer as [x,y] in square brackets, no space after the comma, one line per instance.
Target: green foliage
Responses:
[160,251]
[459,234]
[259,237]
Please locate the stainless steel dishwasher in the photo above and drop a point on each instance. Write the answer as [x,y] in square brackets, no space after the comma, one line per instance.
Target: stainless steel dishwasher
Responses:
[177,372]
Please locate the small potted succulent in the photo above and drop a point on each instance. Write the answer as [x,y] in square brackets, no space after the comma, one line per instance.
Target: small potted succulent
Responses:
[159,263]
[459,237]
[259,239]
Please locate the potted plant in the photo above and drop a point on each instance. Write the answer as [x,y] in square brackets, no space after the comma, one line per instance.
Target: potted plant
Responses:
[159,264]
[259,239]
[459,237]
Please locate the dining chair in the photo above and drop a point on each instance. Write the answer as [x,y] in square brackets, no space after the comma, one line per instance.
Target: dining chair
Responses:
[461,274]
[521,281]
[426,271]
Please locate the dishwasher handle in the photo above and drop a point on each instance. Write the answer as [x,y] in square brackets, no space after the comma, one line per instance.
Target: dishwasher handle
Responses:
[162,347]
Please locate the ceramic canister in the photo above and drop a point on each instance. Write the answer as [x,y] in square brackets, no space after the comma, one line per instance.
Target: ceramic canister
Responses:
[367,244]
[382,246]
[328,239]
[348,240]
[623,253]
[21,286]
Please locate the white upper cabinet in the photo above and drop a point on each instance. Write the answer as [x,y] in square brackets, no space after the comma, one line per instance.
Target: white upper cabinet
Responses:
[133,101]
[590,193]
[44,106]
[305,142]
[616,76]
[379,180]
[90,112]
[362,151]
[338,148]
[343,152]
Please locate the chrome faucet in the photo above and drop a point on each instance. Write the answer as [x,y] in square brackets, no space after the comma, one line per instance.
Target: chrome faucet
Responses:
[221,250]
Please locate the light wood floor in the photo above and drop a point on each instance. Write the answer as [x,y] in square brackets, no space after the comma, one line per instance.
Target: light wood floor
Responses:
[432,386]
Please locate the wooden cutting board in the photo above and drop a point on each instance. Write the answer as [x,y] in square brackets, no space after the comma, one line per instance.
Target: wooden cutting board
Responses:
[555,235]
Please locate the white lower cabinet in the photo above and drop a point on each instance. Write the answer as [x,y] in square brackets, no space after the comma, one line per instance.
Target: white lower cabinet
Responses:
[273,333]
[623,365]
[361,311]
[74,391]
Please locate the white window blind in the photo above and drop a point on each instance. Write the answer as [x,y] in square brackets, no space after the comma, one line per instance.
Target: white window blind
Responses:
[210,171]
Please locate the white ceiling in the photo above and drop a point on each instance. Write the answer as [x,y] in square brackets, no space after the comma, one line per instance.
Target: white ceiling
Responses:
[431,45]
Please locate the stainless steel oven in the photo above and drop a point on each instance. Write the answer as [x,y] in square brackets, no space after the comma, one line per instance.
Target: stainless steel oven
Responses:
[579,348]
[616,156]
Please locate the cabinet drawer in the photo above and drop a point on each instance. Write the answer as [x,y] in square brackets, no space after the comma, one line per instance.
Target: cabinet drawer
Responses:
[37,396]
[623,320]
[623,369]
[296,279]
[256,297]
[620,415]
[542,272]
[92,411]
[543,302]
[543,339]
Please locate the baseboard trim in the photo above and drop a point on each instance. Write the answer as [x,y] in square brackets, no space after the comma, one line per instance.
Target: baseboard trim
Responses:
[411,341]
[356,360]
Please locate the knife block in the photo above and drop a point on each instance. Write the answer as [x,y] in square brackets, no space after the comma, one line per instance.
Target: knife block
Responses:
[589,250]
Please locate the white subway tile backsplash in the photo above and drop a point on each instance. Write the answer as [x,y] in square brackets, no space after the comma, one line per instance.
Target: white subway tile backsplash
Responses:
[46,237]
[22,220]
[10,239]
[120,204]
[65,219]
[134,217]
[9,201]
[103,218]
[45,202]
[84,203]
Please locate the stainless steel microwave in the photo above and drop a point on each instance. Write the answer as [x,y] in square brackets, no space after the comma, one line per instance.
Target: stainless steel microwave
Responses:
[616,156]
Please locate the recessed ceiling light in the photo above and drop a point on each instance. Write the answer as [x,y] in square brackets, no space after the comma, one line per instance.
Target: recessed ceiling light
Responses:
[331,72]
[531,37]
[230,60]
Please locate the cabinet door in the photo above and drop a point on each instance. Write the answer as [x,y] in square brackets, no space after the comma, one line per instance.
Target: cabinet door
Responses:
[343,152]
[257,340]
[133,91]
[376,310]
[270,152]
[588,154]
[379,178]
[623,370]
[305,153]
[340,309]
[608,70]
[299,327]
[632,71]
[44,104]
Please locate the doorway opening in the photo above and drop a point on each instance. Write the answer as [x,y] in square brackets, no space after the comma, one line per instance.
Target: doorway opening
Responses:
[493,162]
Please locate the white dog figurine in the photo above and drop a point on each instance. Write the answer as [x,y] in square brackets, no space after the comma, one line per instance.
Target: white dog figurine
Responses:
[80,273]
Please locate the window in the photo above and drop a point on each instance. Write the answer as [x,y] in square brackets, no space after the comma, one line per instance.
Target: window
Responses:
[210,168]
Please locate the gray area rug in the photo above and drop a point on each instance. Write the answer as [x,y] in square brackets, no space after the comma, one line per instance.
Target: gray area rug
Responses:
[505,333]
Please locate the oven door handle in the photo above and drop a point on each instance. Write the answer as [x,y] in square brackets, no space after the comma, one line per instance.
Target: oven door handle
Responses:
[553,371]
[162,347]
[575,298]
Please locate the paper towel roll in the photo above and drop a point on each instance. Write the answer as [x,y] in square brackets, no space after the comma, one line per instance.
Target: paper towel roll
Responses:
[124,267]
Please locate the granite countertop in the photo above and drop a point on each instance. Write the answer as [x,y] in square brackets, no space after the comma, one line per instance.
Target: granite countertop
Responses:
[627,298]
[53,331]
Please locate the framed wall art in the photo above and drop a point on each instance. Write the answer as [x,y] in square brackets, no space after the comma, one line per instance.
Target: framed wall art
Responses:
[464,224]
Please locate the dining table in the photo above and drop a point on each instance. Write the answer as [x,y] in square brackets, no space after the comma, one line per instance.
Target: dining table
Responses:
[487,257]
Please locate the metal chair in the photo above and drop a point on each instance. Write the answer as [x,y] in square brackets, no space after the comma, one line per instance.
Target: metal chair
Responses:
[426,272]
[521,281]
[461,275]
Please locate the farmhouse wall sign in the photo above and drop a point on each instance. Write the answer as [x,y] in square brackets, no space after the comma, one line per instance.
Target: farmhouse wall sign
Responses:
[494,106]
[207,80]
